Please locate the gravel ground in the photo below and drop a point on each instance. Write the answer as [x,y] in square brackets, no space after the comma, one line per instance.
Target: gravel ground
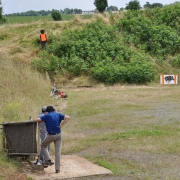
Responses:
[152,165]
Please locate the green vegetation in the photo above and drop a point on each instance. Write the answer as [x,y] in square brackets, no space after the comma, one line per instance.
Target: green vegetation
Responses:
[26,19]
[91,51]
[128,49]
[133,5]
[153,5]
[2,20]
[112,8]
[30,19]
[56,15]
[156,40]
[101,5]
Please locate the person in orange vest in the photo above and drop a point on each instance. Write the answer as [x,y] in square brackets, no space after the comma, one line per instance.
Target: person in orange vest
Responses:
[43,39]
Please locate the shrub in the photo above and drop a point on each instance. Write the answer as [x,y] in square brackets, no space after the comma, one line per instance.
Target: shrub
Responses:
[139,70]
[56,15]
[158,40]
[168,15]
[176,61]
[119,53]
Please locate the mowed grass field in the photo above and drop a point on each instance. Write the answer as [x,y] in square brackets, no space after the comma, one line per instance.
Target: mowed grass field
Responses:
[132,130]
[30,19]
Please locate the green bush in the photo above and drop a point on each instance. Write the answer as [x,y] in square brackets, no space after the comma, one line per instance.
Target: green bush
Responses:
[176,61]
[168,15]
[94,50]
[158,40]
[139,70]
[119,53]
[56,15]
[109,73]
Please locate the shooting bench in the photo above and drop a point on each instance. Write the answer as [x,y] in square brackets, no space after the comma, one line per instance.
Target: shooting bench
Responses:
[22,141]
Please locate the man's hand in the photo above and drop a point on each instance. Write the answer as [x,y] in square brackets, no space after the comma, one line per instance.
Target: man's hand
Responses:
[66,119]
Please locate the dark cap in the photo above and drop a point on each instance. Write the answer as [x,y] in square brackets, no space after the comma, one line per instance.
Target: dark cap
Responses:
[50,109]
[44,109]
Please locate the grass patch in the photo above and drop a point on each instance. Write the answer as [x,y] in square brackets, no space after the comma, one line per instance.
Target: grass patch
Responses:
[136,133]
[32,19]
[113,167]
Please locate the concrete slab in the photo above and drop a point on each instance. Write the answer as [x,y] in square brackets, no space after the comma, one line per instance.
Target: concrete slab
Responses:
[72,166]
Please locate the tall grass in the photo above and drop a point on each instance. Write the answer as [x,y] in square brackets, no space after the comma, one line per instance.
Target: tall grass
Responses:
[22,90]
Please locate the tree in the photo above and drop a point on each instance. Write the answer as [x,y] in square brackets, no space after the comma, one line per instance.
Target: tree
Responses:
[67,11]
[0,10]
[147,5]
[133,5]
[101,5]
[112,8]
[2,20]
[154,5]
[56,15]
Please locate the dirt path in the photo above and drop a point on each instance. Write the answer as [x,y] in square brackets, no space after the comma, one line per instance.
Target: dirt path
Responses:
[72,166]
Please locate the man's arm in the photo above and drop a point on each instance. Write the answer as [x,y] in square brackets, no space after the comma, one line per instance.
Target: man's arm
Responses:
[66,119]
[37,120]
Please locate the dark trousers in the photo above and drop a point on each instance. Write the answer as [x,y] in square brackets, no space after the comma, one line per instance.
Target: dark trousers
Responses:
[43,44]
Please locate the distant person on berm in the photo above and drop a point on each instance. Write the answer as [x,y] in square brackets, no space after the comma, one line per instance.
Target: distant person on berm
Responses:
[43,39]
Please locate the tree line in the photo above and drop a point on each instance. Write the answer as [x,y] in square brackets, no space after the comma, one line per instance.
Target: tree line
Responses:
[46,13]
[101,6]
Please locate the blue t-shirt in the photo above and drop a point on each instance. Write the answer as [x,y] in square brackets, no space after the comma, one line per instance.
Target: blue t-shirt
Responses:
[53,121]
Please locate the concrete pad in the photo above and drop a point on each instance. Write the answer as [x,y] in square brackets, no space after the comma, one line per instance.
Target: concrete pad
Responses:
[72,166]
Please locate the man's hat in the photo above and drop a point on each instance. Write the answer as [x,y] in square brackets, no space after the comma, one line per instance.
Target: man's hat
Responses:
[44,109]
[50,109]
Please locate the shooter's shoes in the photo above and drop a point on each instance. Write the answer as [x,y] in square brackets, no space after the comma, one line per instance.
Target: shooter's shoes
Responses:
[57,171]
[36,161]
[45,166]
[48,163]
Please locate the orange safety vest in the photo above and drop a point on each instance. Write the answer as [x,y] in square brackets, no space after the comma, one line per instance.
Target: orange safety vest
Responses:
[43,37]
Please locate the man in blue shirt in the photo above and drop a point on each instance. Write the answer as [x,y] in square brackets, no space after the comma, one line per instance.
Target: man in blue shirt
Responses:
[54,122]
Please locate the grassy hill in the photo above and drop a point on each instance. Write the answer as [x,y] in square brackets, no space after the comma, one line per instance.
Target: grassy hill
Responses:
[23,90]
[131,130]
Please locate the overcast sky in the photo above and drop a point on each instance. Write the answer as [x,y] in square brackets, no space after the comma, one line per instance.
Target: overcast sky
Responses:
[14,6]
